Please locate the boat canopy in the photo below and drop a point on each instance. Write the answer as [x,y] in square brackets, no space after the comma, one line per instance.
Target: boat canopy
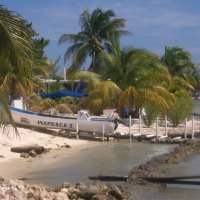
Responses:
[63,93]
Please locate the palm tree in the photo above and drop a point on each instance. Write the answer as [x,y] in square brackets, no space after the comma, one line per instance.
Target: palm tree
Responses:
[131,66]
[15,54]
[180,66]
[102,93]
[139,74]
[196,75]
[15,51]
[105,96]
[93,38]
[92,79]
[177,60]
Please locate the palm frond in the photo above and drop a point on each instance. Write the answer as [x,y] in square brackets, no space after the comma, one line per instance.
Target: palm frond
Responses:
[153,97]
[81,55]
[72,38]
[185,84]
[15,37]
[129,98]
[72,50]
[191,80]
[92,79]
[6,116]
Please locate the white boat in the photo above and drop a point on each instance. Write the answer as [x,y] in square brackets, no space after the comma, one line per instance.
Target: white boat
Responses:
[81,123]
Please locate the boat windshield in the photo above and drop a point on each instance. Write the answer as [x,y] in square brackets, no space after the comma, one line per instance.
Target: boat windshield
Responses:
[87,115]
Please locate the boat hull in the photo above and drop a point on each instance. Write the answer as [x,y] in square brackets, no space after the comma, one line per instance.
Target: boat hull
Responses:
[33,119]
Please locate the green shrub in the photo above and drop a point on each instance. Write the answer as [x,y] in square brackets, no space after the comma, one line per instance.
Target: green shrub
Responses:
[151,112]
[180,110]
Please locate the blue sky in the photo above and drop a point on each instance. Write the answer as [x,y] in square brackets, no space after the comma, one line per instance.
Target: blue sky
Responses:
[154,23]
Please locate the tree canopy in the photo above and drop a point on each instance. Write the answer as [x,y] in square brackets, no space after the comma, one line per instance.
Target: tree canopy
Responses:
[93,38]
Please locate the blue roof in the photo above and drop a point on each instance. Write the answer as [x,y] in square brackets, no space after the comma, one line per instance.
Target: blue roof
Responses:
[63,93]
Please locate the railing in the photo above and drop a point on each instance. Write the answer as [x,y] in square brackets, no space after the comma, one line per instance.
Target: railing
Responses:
[163,128]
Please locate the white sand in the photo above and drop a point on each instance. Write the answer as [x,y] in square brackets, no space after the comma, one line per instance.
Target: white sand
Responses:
[31,137]
[13,166]
[161,130]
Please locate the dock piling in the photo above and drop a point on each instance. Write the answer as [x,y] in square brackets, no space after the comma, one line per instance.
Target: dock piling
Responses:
[130,128]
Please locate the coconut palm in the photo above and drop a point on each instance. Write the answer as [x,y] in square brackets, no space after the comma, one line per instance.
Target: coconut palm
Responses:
[140,74]
[93,38]
[196,75]
[133,98]
[177,60]
[105,96]
[15,53]
[131,66]
[101,93]
[92,79]
[180,66]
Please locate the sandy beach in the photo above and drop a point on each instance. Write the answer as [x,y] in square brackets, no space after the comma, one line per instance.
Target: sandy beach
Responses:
[49,160]
[50,140]
[15,167]
[32,137]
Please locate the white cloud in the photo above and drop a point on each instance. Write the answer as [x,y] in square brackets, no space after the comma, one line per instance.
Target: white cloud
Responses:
[152,22]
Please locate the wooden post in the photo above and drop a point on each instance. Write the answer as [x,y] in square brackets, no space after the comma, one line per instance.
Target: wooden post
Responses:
[166,126]
[130,128]
[77,134]
[156,126]
[192,127]
[103,132]
[140,123]
[185,127]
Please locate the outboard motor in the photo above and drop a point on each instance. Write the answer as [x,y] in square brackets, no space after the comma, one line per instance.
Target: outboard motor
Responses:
[114,117]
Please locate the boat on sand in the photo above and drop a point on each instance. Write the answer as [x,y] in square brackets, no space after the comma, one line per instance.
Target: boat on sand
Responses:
[82,123]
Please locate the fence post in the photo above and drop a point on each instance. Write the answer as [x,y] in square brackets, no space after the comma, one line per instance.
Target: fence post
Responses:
[166,126]
[140,123]
[185,127]
[77,134]
[156,126]
[103,132]
[192,127]
[130,128]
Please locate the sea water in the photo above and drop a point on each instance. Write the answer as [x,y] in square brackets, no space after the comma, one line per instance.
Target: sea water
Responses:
[191,166]
[174,191]
[118,158]
[109,158]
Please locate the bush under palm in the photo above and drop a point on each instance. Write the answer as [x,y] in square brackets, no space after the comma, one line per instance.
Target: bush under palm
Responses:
[180,109]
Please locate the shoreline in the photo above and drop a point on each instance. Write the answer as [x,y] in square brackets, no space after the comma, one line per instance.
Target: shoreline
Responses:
[44,161]
[24,167]
[47,139]
[157,167]
[153,167]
